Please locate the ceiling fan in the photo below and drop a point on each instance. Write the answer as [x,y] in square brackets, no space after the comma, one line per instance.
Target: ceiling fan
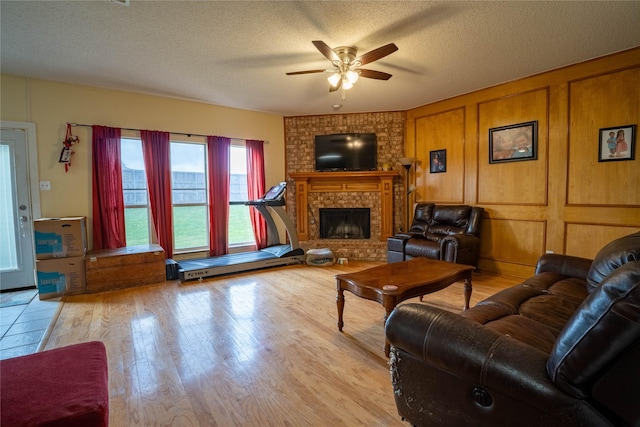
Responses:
[346,66]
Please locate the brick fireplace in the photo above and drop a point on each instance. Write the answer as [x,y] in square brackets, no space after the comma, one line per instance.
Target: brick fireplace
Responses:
[382,192]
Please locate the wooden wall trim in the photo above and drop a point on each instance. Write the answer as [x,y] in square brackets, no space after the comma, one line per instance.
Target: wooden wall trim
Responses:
[561,177]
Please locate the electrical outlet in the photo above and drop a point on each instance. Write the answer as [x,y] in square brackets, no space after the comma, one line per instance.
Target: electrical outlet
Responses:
[45,185]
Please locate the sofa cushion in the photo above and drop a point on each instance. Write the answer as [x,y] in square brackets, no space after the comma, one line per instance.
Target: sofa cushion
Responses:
[450,219]
[612,256]
[605,326]
[533,312]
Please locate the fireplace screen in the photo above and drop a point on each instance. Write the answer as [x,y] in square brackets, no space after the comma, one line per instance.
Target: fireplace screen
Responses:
[338,223]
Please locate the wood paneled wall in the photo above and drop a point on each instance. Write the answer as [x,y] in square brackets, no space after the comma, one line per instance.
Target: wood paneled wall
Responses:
[565,201]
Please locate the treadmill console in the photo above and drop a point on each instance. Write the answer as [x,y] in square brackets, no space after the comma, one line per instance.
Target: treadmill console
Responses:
[273,197]
[276,192]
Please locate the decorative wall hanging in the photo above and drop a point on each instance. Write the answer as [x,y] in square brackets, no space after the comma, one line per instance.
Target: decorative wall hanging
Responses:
[617,143]
[438,161]
[67,151]
[513,143]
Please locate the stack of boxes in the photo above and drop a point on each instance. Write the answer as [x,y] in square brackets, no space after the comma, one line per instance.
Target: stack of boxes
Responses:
[61,244]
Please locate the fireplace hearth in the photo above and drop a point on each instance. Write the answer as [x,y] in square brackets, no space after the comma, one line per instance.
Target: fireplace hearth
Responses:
[341,223]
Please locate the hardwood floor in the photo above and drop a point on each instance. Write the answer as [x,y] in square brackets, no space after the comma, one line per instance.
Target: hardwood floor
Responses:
[254,349]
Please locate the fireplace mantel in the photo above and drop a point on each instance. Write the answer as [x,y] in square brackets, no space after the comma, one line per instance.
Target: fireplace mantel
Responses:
[335,182]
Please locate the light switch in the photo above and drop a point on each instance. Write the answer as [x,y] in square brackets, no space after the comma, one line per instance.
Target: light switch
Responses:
[45,185]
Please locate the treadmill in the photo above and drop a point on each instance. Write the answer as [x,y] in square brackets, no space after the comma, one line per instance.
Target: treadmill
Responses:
[275,254]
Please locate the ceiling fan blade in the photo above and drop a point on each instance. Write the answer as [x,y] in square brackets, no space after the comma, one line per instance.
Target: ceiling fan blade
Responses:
[336,87]
[376,54]
[305,72]
[326,50]
[372,74]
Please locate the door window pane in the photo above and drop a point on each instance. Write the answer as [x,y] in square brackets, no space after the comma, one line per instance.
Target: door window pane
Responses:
[8,244]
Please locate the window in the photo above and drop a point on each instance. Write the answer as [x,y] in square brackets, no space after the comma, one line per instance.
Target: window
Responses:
[189,196]
[136,197]
[240,231]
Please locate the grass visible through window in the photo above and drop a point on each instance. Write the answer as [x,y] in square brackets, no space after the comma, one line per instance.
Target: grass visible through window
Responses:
[191,226]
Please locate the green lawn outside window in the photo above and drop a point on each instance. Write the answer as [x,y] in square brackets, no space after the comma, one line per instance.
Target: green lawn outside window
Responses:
[190,226]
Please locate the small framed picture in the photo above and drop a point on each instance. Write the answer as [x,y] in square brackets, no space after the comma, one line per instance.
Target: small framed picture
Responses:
[617,143]
[65,155]
[513,143]
[438,161]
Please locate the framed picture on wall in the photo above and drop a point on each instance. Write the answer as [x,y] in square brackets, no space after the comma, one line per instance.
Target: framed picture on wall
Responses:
[617,143]
[513,143]
[438,159]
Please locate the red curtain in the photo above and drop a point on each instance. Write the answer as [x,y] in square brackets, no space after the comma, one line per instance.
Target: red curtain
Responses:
[108,199]
[218,158]
[256,188]
[156,150]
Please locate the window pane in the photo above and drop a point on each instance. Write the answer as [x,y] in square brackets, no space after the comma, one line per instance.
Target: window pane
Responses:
[240,232]
[137,225]
[190,226]
[238,174]
[189,194]
[136,197]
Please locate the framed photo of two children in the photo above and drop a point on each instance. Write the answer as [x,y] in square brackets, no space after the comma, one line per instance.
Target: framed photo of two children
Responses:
[617,143]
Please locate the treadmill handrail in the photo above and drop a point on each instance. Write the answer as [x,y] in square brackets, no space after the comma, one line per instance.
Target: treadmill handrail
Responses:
[262,202]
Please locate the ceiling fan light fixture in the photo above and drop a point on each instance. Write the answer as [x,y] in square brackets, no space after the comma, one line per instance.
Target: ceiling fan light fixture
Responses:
[334,79]
[352,76]
[346,84]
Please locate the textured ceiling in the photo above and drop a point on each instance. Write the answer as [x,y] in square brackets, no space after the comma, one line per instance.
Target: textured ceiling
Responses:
[236,53]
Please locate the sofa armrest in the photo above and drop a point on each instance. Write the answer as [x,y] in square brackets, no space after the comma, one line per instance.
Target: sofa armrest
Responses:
[395,247]
[452,244]
[566,265]
[402,236]
[475,354]
[398,242]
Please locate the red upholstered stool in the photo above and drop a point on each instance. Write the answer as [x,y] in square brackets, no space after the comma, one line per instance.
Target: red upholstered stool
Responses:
[66,386]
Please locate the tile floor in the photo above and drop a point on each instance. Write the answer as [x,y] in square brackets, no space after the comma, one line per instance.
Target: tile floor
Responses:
[23,326]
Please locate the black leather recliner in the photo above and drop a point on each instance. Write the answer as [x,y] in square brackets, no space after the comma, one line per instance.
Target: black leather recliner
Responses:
[443,232]
[560,349]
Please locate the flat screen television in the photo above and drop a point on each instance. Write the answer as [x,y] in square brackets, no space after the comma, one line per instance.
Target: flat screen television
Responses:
[346,152]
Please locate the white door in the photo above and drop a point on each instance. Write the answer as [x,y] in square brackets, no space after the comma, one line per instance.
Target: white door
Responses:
[17,258]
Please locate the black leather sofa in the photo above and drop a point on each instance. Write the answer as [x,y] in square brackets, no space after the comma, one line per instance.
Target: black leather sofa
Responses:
[560,349]
[443,232]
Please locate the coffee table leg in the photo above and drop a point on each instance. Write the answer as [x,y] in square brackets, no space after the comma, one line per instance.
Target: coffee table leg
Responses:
[467,292]
[340,303]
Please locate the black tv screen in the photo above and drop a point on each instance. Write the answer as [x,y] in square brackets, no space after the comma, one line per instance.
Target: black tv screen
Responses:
[346,152]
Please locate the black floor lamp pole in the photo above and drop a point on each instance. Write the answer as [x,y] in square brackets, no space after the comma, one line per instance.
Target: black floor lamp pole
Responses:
[407,162]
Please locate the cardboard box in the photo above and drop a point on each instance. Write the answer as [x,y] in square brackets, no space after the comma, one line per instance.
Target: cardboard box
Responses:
[60,237]
[108,269]
[60,276]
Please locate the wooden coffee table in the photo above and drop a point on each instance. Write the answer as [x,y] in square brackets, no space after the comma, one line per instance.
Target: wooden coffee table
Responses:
[393,283]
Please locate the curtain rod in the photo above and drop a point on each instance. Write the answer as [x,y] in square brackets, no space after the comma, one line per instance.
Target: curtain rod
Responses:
[174,133]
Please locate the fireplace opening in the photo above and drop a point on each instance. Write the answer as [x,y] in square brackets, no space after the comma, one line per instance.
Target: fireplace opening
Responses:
[339,223]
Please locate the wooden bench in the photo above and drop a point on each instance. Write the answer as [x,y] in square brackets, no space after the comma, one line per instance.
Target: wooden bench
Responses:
[108,269]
